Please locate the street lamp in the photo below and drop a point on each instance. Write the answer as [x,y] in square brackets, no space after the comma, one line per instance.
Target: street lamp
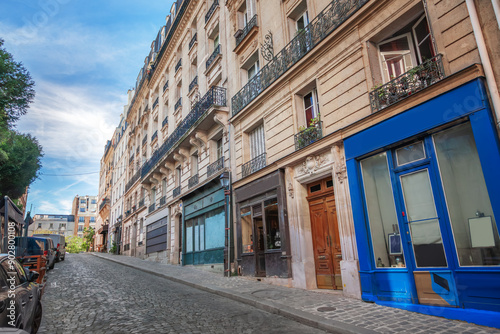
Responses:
[225,181]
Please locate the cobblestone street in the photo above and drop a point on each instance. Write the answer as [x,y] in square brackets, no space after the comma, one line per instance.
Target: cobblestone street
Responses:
[86,294]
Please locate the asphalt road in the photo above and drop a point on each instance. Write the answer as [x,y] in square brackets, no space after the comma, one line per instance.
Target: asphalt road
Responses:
[86,294]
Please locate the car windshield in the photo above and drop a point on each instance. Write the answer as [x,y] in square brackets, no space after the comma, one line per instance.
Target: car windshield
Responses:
[26,246]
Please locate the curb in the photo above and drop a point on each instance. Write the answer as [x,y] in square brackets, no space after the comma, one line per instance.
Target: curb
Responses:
[311,320]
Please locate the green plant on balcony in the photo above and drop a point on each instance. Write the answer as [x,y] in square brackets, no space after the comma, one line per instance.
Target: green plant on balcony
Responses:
[308,135]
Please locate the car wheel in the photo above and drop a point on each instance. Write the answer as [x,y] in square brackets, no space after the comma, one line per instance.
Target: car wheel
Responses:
[37,319]
[58,257]
[62,259]
[52,265]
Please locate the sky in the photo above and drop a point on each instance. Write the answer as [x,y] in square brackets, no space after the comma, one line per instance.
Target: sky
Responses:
[84,55]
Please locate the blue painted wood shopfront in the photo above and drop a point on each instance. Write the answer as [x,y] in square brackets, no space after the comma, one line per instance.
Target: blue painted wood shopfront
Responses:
[425,190]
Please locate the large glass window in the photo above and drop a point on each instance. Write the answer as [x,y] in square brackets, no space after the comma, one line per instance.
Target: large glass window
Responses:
[206,231]
[246,230]
[189,235]
[272,224]
[472,219]
[382,212]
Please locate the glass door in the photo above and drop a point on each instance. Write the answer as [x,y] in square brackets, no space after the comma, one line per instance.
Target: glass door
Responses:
[434,280]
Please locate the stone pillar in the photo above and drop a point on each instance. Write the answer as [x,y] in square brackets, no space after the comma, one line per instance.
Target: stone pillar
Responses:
[349,264]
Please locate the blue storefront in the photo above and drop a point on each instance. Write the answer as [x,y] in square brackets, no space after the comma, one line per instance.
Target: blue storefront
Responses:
[425,191]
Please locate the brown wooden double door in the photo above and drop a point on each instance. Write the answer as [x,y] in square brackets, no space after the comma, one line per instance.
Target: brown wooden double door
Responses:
[325,234]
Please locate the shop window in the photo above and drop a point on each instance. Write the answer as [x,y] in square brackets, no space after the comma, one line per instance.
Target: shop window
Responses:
[381,212]
[205,231]
[472,220]
[410,153]
[246,230]
[272,224]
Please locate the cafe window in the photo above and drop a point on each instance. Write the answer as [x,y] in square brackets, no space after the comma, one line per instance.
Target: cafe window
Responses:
[246,230]
[272,224]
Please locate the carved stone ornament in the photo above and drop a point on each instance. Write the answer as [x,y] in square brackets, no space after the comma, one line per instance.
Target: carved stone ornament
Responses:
[340,166]
[312,164]
[290,189]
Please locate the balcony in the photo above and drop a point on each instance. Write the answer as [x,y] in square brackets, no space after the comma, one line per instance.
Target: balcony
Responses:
[163,200]
[151,208]
[213,56]
[253,165]
[131,158]
[127,213]
[242,33]
[155,103]
[211,10]
[213,168]
[176,192]
[193,40]
[105,201]
[308,135]
[131,182]
[193,84]
[165,86]
[178,65]
[141,203]
[193,181]
[407,84]
[154,136]
[216,96]
[165,122]
[178,104]
[145,140]
[336,13]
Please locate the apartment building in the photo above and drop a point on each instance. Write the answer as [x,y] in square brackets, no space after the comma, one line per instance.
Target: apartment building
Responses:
[52,224]
[84,209]
[365,148]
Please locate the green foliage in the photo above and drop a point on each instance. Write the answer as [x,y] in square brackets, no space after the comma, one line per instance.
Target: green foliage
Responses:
[88,237]
[75,244]
[114,248]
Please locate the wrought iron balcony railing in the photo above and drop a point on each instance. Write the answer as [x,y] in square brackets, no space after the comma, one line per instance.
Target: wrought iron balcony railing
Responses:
[178,104]
[104,202]
[178,65]
[155,103]
[154,136]
[151,208]
[131,158]
[213,56]
[141,203]
[193,181]
[336,13]
[242,33]
[127,213]
[165,122]
[308,136]
[216,96]
[407,84]
[176,192]
[253,165]
[132,181]
[211,10]
[193,83]
[163,200]
[165,86]
[145,140]
[215,167]
[193,40]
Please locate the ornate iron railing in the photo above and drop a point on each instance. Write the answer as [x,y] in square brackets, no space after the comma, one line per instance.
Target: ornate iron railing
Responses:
[407,84]
[242,33]
[176,192]
[308,136]
[163,200]
[145,140]
[165,122]
[131,158]
[151,208]
[154,136]
[193,40]
[132,181]
[178,104]
[105,201]
[155,103]
[193,181]
[178,65]
[127,213]
[165,86]
[213,56]
[211,10]
[253,165]
[216,96]
[193,83]
[141,203]
[336,13]
[215,167]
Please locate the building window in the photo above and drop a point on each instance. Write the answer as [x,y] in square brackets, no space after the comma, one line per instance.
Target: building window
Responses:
[80,228]
[39,225]
[257,142]
[94,201]
[51,226]
[178,173]
[194,164]
[92,219]
[220,149]
[153,196]
[82,209]
[311,107]
[253,69]
[163,187]
[302,21]
[81,219]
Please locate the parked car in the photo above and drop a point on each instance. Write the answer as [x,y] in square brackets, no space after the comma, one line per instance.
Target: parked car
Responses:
[26,246]
[59,241]
[20,305]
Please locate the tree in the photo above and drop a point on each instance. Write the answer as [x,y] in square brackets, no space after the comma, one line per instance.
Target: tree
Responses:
[16,88]
[88,237]
[75,244]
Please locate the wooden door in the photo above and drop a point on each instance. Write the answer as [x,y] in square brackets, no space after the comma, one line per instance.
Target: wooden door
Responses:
[325,235]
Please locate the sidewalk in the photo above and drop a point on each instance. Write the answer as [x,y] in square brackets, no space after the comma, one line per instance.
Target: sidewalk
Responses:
[317,308]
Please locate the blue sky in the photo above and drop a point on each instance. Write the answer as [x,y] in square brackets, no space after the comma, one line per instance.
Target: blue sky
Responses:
[83,57]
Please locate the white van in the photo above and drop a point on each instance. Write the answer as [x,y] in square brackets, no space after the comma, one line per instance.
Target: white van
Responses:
[59,244]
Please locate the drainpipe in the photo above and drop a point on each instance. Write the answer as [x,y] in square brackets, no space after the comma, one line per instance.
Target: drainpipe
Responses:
[485,59]
[496,8]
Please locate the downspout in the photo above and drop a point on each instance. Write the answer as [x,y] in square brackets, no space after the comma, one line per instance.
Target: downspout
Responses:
[496,8]
[485,59]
